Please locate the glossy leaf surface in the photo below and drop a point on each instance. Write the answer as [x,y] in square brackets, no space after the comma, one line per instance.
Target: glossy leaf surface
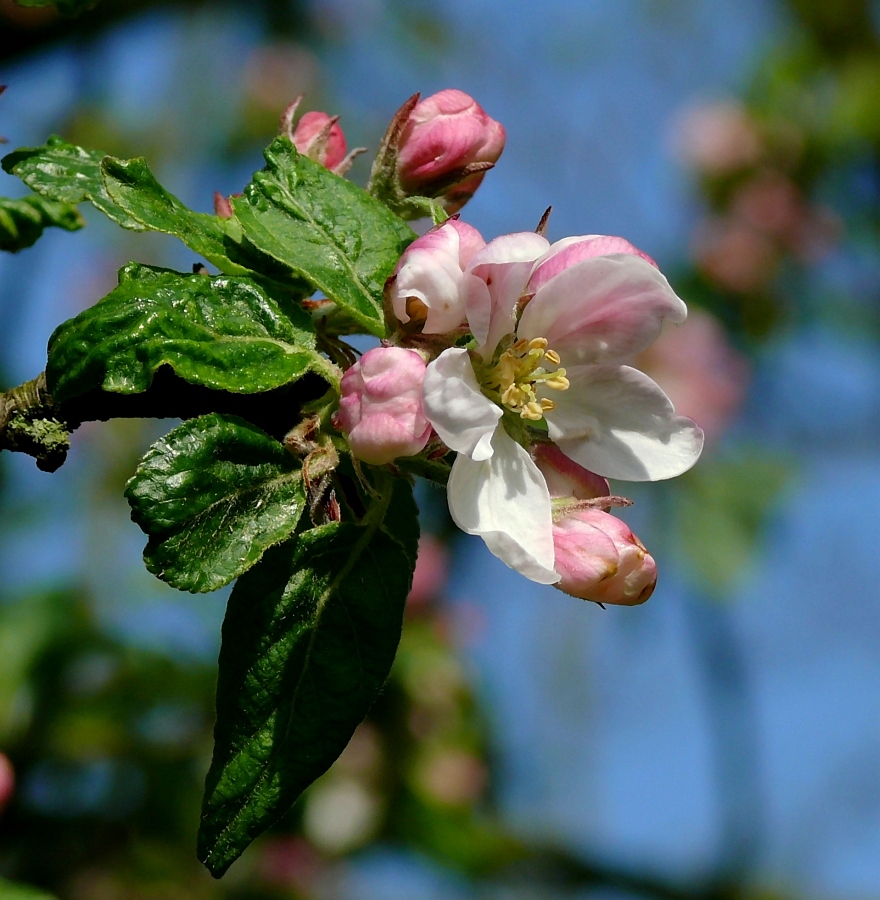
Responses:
[328,230]
[213,495]
[222,332]
[309,639]
[23,221]
[62,171]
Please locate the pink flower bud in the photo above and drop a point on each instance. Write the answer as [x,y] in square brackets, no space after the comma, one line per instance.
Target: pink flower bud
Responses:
[381,408]
[319,137]
[565,478]
[571,250]
[426,286]
[601,560]
[447,145]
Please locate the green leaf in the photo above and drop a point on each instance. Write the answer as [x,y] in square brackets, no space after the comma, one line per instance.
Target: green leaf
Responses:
[221,332]
[133,188]
[65,172]
[213,495]
[328,230]
[11,891]
[65,7]
[308,642]
[23,221]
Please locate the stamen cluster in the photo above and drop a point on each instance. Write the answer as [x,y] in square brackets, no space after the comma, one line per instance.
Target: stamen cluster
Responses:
[518,372]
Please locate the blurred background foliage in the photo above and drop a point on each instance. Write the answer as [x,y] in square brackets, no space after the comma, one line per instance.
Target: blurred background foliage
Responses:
[526,745]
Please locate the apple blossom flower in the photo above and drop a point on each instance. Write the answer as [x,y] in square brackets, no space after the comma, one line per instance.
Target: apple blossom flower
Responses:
[598,558]
[446,147]
[425,288]
[381,408]
[555,368]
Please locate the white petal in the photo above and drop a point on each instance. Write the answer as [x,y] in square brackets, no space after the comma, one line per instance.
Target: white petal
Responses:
[495,280]
[617,422]
[523,246]
[430,271]
[602,310]
[505,501]
[454,404]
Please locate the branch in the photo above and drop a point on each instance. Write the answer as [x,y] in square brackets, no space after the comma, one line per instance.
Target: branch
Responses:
[32,422]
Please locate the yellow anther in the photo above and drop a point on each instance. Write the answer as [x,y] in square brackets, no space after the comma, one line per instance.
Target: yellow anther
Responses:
[557,382]
[519,372]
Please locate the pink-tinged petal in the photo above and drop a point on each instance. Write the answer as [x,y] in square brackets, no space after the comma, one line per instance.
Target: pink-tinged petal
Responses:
[504,500]
[615,421]
[500,272]
[571,250]
[600,559]
[461,414]
[602,310]
[429,274]
[565,478]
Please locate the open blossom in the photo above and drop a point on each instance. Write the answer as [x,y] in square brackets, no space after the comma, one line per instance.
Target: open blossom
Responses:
[381,407]
[586,305]
[445,134]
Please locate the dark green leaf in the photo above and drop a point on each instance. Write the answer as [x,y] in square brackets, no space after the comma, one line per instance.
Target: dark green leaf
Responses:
[65,172]
[308,641]
[65,7]
[23,221]
[221,332]
[133,188]
[328,230]
[213,495]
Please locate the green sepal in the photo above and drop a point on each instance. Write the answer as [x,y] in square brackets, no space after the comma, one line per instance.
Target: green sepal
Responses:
[326,229]
[213,495]
[62,171]
[23,221]
[221,332]
[309,639]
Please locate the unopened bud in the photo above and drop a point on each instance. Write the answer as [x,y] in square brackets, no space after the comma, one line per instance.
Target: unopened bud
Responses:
[600,559]
[446,147]
[316,135]
[381,409]
[426,286]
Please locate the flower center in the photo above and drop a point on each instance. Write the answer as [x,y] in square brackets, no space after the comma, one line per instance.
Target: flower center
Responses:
[520,370]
